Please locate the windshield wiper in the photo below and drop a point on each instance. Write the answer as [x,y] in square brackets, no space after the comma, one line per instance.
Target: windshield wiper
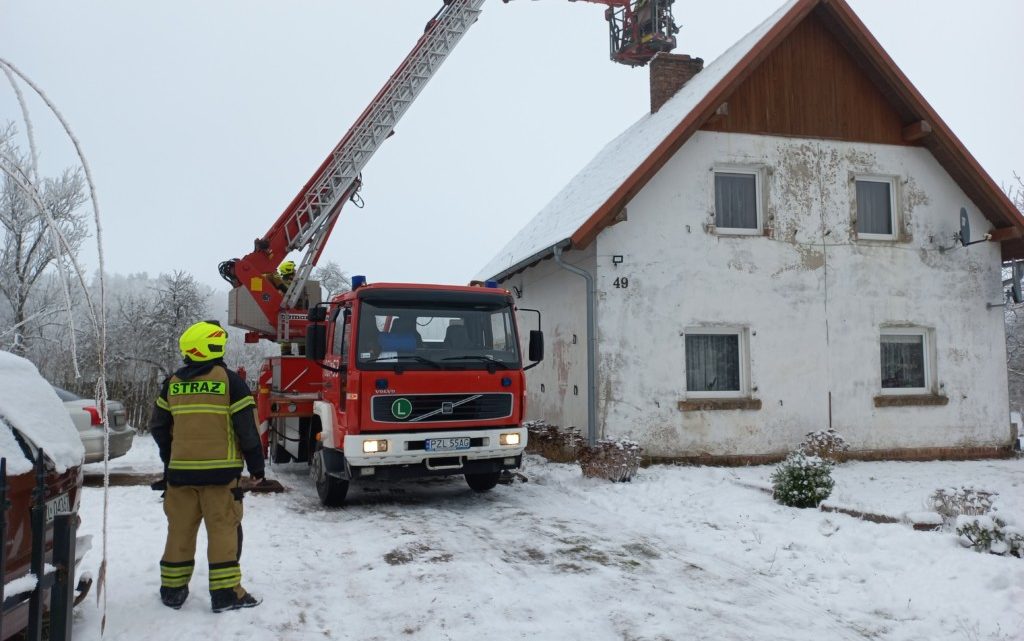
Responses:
[476,357]
[414,357]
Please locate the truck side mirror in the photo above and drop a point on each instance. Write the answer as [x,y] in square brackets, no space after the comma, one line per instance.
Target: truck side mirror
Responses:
[536,345]
[316,342]
[317,314]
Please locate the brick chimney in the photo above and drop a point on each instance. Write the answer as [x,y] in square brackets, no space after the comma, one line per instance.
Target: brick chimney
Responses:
[669,72]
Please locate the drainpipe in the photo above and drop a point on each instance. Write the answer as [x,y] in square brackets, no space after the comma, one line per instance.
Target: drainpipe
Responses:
[591,345]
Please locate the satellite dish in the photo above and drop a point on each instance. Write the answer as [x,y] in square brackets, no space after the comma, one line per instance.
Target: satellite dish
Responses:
[1018,273]
[965,227]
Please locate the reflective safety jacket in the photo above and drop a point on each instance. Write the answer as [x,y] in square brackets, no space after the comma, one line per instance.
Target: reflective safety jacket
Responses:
[204,425]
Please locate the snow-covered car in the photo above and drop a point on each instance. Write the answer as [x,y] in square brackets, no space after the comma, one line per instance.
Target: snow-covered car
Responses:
[87,420]
[33,420]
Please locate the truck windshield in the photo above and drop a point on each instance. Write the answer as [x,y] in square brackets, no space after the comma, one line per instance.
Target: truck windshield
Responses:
[423,336]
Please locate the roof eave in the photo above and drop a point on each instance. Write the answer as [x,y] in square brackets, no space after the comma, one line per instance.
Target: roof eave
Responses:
[531,260]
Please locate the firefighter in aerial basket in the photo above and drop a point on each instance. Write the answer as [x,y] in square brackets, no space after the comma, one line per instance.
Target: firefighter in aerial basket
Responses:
[204,425]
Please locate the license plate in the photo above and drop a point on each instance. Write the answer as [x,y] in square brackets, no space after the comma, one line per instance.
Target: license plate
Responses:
[446,444]
[58,505]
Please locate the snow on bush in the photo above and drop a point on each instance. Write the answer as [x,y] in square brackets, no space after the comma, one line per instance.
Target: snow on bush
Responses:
[554,444]
[802,481]
[825,444]
[967,500]
[990,533]
[616,460]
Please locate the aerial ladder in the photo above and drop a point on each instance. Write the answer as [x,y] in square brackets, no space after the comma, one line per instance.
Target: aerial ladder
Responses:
[638,30]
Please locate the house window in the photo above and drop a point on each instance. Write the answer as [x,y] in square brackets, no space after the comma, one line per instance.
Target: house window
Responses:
[906,361]
[737,202]
[876,209]
[716,363]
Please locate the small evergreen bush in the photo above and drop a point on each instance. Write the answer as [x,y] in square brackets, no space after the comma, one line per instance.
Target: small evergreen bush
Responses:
[990,533]
[827,444]
[802,481]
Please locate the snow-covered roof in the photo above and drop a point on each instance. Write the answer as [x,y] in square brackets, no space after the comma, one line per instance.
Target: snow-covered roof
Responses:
[29,405]
[592,199]
[595,184]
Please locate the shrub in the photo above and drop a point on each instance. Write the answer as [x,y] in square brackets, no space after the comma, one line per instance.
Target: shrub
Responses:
[613,460]
[954,502]
[826,444]
[554,444]
[990,533]
[802,481]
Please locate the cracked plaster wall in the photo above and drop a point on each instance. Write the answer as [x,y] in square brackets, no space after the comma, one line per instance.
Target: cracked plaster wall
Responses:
[811,296]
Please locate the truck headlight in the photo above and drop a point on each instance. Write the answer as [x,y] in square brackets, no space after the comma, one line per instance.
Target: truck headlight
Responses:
[511,438]
[373,447]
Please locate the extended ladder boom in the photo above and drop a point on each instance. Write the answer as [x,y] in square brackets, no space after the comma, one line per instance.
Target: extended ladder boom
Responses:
[639,29]
[308,220]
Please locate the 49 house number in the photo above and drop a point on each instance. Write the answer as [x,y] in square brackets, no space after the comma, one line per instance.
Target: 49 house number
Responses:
[622,282]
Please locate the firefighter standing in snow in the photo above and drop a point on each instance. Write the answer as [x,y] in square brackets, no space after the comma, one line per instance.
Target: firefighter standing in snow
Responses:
[204,425]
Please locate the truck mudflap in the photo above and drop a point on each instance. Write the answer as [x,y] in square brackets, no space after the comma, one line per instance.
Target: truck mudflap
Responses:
[450,452]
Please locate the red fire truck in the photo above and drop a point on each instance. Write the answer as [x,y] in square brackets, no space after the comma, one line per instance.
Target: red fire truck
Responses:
[398,380]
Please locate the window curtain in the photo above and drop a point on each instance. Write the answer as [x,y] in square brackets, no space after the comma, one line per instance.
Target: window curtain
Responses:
[874,207]
[736,201]
[902,361]
[712,363]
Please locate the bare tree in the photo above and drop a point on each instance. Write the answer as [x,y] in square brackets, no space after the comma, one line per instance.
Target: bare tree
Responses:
[333,280]
[28,249]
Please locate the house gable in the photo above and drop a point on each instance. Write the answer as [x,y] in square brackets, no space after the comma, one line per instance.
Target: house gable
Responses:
[834,44]
[919,123]
[810,86]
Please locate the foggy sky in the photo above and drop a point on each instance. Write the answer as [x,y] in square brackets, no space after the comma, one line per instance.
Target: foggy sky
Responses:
[202,120]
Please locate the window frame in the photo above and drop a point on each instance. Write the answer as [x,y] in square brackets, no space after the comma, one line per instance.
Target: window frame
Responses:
[894,214]
[759,199]
[927,349]
[743,356]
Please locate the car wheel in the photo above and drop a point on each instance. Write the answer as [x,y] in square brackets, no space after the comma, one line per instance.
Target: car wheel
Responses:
[482,482]
[331,490]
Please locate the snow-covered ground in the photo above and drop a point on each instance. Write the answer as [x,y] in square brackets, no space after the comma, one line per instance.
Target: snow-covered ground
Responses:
[678,553]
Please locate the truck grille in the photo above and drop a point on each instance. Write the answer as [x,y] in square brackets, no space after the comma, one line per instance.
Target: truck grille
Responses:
[435,408]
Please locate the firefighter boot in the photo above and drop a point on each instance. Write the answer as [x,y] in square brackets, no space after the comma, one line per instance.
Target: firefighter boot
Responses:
[174,597]
[226,599]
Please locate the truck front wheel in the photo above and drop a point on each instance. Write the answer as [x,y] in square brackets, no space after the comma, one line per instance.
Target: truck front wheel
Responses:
[330,489]
[482,482]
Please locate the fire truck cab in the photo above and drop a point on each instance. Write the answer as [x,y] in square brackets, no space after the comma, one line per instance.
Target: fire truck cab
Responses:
[415,380]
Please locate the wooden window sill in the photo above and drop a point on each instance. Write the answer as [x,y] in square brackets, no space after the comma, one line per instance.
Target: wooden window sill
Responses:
[712,404]
[910,400]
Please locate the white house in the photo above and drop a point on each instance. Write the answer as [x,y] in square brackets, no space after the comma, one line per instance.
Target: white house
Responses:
[774,251]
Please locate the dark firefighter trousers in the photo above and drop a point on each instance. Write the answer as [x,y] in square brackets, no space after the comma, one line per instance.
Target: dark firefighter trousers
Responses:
[220,506]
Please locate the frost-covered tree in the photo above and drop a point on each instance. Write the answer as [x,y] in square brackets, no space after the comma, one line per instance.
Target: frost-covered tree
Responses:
[179,302]
[1014,314]
[28,247]
[145,317]
[333,280]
